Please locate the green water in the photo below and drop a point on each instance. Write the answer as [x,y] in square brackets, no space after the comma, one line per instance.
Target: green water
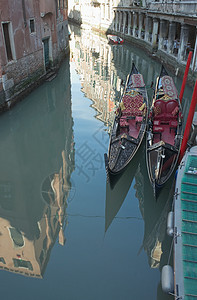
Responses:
[64,232]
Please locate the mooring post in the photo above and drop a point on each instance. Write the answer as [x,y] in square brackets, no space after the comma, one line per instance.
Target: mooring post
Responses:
[192,139]
[189,122]
[185,75]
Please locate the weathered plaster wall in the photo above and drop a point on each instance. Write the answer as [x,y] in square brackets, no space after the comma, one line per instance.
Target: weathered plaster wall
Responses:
[26,64]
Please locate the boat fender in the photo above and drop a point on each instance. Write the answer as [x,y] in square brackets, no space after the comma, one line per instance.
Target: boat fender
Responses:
[167,279]
[170,224]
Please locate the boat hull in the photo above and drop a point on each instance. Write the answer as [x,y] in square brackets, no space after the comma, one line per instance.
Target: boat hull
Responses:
[129,126]
[164,132]
[161,164]
[113,39]
[185,228]
[122,151]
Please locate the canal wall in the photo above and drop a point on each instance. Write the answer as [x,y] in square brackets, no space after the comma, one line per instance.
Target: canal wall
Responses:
[33,42]
[11,93]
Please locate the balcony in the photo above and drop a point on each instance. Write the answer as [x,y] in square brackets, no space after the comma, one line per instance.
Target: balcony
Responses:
[186,7]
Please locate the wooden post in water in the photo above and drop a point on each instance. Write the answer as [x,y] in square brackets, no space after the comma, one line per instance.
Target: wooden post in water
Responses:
[189,122]
[185,76]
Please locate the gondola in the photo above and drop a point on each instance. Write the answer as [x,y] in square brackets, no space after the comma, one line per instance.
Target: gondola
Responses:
[129,124]
[164,132]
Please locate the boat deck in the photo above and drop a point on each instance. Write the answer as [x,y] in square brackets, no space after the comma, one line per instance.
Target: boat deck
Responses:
[167,135]
[132,129]
[187,228]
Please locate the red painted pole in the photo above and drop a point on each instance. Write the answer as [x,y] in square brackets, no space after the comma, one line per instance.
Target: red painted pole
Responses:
[185,75]
[189,122]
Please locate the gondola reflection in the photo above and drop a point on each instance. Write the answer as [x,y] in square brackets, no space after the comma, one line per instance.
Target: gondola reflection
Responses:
[117,188]
[156,242]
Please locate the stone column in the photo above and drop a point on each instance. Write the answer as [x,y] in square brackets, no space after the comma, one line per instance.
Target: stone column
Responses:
[134,23]
[155,32]
[171,37]
[116,21]
[147,29]
[113,20]
[183,42]
[140,26]
[120,24]
[122,56]
[194,61]
[124,21]
[105,10]
[127,57]
[129,23]
[162,33]
[111,12]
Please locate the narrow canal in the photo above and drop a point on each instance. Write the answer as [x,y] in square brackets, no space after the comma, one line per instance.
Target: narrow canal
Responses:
[64,233]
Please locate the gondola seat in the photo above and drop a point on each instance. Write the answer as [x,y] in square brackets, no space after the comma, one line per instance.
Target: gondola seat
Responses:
[158,130]
[138,120]
[123,122]
[132,105]
[173,125]
[165,110]
[156,123]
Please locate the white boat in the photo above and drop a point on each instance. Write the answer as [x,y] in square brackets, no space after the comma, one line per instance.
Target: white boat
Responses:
[114,39]
[182,226]
[185,227]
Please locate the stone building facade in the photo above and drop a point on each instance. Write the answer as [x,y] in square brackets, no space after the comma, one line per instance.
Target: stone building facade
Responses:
[33,39]
[165,28]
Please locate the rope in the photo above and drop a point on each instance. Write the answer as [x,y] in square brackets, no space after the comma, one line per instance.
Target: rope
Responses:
[176,297]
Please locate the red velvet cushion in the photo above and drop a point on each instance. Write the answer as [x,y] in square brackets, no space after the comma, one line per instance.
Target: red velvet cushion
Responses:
[171,105]
[159,107]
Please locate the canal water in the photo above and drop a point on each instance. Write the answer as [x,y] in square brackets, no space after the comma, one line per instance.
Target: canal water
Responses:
[65,233]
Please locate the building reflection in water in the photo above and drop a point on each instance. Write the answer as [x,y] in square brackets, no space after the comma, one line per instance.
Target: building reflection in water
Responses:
[102,68]
[37,159]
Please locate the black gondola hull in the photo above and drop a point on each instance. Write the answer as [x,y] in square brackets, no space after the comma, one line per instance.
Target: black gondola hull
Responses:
[125,139]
